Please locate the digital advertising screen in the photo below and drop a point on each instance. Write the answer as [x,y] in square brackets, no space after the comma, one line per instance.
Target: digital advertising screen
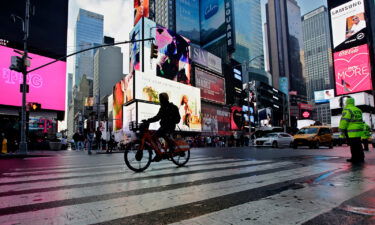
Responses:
[141,9]
[212,87]
[187,19]
[212,15]
[135,49]
[46,85]
[236,120]
[185,97]
[324,96]
[215,120]
[118,101]
[127,85]
[352,70]
[48,27]
[348,25]
[173,60]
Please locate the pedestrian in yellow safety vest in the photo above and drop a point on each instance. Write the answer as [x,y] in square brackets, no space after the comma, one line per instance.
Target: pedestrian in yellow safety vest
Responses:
[4,144]
[366,135]
[351,126]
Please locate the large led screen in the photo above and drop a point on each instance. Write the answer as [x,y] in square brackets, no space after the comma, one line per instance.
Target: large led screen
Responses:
[46,85]
[185,97]
[173,61]
[236,120]
[212,86]
[324,96]
[48,26]
[187,19]
[118,101]
[348,25]
[352,70]
[141,9]
[215,120]
[212,15]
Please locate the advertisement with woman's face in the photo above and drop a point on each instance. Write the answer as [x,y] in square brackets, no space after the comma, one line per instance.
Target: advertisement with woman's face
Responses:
[173,59]
[141,9]
[185,97]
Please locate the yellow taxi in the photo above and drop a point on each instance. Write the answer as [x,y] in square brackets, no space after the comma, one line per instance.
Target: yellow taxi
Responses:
[314,137]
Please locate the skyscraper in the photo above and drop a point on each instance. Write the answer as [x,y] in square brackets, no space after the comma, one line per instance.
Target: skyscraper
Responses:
[317,44]
[285,44]
[107,70]
[88,33]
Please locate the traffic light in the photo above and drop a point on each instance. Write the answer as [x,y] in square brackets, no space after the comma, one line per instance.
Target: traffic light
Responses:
[17,64]
[34,107]
[154,51]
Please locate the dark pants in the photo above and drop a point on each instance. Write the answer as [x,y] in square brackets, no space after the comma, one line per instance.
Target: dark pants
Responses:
[365,144]
[165,133]
[356,150]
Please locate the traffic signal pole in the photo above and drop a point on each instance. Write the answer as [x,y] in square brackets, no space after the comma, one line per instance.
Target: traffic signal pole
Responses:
[23,141]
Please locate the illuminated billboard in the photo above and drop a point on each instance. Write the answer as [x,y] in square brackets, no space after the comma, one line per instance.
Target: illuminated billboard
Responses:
[173,60]
[236,120]
[323,96]
[141,9]
[46,85]
[187,19]
[118,101]
[352,70]
[348,25]
[185,97]
[212,87]
[212,15]
[215,120]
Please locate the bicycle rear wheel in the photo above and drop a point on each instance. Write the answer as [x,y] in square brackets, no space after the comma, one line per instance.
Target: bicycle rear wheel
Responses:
[137,160]
[180,158]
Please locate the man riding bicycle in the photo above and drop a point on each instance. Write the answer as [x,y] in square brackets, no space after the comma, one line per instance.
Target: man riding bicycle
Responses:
[169,116]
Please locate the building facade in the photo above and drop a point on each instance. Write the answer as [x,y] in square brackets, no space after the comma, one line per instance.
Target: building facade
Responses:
[318,52]
[285,44]
[108,68]
[88,33]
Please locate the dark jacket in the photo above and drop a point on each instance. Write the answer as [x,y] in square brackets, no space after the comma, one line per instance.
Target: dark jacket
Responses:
[164,116]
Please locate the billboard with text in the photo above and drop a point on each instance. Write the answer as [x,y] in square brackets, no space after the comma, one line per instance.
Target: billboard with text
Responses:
[352,70]
[185,97]
[46,85]
[212,87]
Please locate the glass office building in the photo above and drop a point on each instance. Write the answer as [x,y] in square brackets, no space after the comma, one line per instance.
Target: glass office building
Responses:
[317,44]
[88,33]
[249,36]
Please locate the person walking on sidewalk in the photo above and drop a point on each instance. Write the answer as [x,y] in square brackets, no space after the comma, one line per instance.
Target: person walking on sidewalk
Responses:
[90,132]
[351,127]
[366,135]
[98,138]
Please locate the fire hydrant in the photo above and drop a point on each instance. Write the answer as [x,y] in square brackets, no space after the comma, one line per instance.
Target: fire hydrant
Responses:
[4,147]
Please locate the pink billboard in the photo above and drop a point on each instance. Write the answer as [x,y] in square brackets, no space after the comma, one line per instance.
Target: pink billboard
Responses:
[46,85]
[352,70]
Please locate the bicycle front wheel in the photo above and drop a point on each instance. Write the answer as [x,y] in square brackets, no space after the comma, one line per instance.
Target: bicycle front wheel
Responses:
[181,158]
[137,160]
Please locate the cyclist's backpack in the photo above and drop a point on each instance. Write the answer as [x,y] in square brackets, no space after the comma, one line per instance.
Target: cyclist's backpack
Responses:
[175,114]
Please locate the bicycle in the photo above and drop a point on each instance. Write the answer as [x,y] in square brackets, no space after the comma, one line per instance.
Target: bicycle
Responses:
[138,156]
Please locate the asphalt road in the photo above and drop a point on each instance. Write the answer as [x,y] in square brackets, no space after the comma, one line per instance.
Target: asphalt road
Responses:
[218,186]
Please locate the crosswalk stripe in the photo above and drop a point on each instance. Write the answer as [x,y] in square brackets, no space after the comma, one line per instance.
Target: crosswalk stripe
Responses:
[300,205]
[119,160]
[169,171]
[102,211]
[111,189]
[13,177]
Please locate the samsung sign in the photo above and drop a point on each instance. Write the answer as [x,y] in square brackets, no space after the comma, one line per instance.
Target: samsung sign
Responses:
[229,22]
[206,59]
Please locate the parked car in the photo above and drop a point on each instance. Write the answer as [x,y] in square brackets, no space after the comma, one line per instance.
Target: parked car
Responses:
[314,137]
[275,140]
